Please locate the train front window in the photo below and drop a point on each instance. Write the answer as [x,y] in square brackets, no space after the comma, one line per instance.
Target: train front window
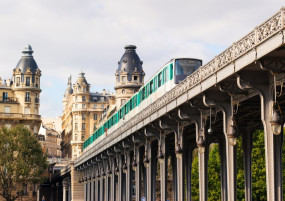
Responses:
[185,67]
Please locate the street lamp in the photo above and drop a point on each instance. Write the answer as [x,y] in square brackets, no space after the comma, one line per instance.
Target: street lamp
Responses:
[276,119]
[201,144]
[160,156]
[232,133]
[178,151]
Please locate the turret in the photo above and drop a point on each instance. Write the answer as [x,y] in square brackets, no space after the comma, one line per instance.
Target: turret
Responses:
[129,75]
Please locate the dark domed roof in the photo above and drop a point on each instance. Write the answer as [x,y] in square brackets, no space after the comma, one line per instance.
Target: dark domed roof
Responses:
[81,79]
[69,89]
[27,60]
[130,61]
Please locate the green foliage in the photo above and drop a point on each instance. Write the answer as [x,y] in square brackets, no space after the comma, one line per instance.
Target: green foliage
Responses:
[258,167]
[214,169]
[240,171]
[22,161]
[195,177]
[214,180]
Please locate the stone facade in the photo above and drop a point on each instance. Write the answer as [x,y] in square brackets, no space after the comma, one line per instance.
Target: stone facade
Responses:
[20,96]
[82,113]
[20,102]
[50,139]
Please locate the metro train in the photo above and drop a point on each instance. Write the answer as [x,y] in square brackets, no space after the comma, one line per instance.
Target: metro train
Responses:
[171,74]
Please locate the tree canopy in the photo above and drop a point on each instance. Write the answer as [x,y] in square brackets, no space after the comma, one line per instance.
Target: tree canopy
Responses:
[22,161]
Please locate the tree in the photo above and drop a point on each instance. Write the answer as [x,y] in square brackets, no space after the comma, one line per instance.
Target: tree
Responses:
[22,161]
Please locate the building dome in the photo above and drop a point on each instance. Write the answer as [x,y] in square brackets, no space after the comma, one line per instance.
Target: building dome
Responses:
[27,60]
[81,79]
[69,89]
[130,61]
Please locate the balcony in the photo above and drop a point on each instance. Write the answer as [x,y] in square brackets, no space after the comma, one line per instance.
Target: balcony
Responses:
[19,116]
[8,100]
[27,99]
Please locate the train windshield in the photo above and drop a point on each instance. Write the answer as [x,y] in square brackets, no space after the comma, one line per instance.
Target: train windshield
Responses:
[185,67]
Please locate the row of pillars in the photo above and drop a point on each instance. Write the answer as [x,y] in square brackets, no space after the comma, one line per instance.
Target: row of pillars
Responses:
[112,175]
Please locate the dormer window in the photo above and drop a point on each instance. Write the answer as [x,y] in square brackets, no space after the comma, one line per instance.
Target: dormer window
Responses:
[135,78]
[18,81]
[123,91]
[123,78]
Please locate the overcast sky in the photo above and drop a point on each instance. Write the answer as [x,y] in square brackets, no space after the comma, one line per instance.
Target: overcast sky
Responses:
[70,36]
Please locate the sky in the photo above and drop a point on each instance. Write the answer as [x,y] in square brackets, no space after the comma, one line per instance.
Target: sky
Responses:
[73,36]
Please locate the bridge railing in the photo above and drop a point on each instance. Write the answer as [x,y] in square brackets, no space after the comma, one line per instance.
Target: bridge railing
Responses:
[260,34]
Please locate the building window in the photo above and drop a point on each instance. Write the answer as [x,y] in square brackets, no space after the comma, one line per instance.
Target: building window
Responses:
[76,116]
[37,100]
[135,78]
[94,98]
[83,116]
[102,99]
[76,126]
[36,129]
[83,106]
[8,126]
[27,110]
[83,89]
[76,138]
[123,78]
[94,127]
[83,99]
[123,101]
[83,126]
[123,91]
[7,109]
[18,81]
[102,106]
[27,126]
[95,116]
[28,81]
[5,96]
[37,82]
[27,97]
[25,189]
[95,106]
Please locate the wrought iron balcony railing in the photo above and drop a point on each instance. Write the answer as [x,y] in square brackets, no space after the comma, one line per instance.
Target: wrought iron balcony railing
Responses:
[8,100]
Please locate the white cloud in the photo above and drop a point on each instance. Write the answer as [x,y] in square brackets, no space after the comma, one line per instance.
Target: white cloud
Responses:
[70,36]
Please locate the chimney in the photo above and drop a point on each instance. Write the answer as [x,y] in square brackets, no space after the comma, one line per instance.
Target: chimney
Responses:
[5,84]
[104,92]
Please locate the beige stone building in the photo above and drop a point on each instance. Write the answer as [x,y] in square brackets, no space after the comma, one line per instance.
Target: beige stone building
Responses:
[20,102]
[50,138]
[20,96]
[82,112]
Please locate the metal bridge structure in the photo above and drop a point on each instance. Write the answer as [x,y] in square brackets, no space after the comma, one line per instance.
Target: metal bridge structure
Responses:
[236,93]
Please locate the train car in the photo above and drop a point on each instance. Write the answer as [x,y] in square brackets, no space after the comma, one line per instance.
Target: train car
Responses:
[171,74]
